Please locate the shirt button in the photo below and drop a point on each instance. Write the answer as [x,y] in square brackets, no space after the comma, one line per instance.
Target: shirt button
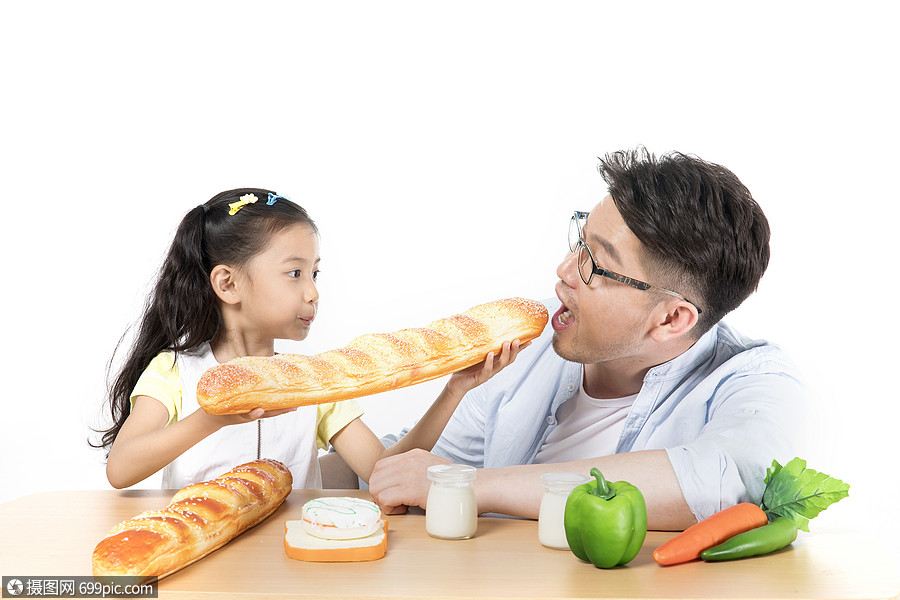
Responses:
[550,420]
[571,387]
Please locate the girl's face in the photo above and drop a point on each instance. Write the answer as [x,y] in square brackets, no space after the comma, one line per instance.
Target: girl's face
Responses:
[278,291]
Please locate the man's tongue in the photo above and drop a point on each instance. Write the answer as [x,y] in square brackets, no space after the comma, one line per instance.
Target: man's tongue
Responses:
[562,318]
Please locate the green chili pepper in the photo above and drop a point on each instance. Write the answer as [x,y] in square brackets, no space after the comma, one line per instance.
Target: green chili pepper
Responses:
[605,522]
[762,540]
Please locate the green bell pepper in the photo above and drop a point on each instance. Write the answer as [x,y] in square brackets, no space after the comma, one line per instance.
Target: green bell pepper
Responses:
[605,523]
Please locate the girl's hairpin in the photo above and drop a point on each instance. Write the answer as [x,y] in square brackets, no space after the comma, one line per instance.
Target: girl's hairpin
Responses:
[244,200]
[273,198]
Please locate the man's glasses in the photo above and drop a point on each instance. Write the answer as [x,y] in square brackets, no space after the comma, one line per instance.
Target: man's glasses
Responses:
[588,267]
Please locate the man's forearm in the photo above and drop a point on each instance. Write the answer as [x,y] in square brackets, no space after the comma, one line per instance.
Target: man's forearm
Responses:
[517,490]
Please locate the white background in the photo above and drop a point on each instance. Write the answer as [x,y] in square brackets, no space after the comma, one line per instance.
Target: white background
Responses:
[441,148]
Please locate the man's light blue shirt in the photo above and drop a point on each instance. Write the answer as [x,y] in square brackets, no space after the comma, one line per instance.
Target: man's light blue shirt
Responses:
[723,411]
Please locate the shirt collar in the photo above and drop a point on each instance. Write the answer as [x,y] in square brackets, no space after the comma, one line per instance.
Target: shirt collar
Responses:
[686,361]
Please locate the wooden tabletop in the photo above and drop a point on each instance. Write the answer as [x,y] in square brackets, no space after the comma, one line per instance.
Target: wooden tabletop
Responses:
[54,534]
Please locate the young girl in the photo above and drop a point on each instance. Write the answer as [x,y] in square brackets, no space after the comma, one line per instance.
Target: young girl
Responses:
[240,273]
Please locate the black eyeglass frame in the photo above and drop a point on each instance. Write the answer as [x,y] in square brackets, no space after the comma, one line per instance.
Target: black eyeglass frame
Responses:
[596,269]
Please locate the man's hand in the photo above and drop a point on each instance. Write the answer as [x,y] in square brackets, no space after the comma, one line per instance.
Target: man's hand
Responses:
[401,481]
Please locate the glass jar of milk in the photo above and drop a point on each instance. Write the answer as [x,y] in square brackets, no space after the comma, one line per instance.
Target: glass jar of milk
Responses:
[557,486]
[451,512]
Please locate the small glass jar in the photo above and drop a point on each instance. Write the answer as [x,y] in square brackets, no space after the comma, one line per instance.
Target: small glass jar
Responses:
[557,486]
[451,512]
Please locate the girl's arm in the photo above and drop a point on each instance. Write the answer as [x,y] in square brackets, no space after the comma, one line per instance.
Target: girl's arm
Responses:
[361,449]
[145,445]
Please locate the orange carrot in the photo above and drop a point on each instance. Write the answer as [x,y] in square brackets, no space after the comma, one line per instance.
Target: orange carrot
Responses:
[710,532]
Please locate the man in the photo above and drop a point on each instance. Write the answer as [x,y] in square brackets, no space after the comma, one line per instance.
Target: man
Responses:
[636,375]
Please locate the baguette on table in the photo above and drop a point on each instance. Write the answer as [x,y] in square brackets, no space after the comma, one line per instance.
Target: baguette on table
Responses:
[201,518]
[371,363]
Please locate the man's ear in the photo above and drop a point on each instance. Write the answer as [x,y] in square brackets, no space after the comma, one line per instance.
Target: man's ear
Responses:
[675,320]
[222,278]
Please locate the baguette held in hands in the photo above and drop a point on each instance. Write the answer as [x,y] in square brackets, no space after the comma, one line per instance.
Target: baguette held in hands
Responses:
[201,518]
[371,363]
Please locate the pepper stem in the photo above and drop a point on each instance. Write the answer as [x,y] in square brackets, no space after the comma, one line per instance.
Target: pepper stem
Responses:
[603,489]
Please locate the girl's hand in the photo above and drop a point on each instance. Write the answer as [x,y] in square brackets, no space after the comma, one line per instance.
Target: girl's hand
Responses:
[253,415]
[260,413]
[467,379]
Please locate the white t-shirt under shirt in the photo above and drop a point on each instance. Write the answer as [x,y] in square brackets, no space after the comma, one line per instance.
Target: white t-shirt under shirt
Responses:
[587,427]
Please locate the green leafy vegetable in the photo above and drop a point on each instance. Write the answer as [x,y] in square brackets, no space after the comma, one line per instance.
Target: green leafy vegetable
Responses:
[798,493]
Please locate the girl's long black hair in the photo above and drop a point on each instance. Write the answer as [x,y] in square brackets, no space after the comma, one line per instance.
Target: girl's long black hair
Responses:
[182,311]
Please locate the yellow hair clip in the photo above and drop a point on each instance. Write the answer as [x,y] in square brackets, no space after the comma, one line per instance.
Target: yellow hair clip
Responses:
[244,200]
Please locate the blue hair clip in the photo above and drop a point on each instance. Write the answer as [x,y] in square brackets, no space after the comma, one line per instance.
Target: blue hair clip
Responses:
[273,198]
